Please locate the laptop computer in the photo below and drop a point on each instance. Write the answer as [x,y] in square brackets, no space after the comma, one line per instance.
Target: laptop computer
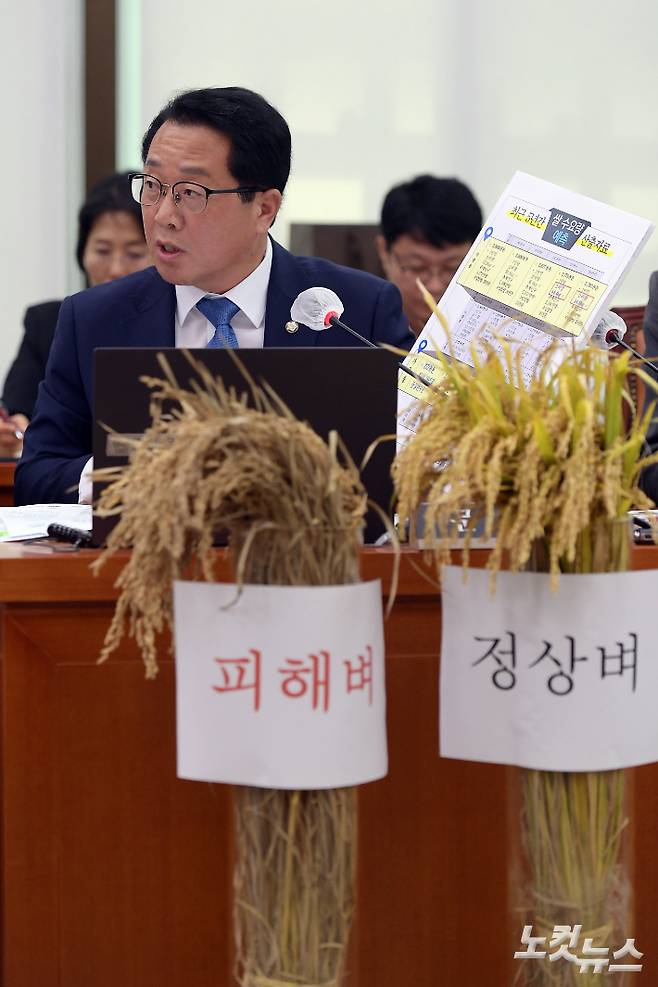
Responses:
[352,391]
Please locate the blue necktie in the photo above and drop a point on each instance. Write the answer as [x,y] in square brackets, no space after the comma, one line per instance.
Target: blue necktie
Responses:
[220,311]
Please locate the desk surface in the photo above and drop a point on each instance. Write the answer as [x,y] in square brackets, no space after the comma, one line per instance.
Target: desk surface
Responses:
[30,574]
[34,574]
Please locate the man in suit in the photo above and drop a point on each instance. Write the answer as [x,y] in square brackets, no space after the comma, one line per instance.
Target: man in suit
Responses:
[216,162]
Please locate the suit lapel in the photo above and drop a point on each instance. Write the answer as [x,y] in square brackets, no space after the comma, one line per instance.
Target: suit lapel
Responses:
[151,319]
[286,281]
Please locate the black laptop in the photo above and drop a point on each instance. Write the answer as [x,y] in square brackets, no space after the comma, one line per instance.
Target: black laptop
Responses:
[352,391]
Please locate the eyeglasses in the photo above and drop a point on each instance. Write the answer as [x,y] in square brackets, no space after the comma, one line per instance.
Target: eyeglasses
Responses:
[425,272]
[188,196]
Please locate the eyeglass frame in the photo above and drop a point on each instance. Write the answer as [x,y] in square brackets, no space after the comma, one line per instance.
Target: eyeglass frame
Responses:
[425,269]
[182,181]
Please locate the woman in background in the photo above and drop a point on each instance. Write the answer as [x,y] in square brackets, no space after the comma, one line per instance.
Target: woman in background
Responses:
[110,245]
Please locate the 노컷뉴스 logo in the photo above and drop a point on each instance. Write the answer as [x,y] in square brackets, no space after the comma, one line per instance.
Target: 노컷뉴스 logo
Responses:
[564,944]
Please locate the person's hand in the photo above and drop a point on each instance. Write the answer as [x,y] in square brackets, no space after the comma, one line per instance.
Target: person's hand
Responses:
[12,428]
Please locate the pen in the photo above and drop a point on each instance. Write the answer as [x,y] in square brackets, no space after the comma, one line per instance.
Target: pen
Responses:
[4,416]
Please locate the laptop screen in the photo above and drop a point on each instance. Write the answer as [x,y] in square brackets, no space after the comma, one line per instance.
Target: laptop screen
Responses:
[352,391]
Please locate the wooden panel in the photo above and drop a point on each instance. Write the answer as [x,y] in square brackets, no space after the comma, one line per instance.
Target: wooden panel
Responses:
[100,89]
[350,244]
[115,872]
[644,821]
[432,853]
[7,470]
[29,827]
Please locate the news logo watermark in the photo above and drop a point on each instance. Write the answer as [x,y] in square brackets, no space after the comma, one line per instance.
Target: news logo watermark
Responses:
[565,944]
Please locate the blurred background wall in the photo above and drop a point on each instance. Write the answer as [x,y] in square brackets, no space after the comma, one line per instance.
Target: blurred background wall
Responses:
[374,92]
[41,155]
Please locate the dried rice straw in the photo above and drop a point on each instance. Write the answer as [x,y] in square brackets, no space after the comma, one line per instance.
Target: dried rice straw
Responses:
[291,504]
[293,509]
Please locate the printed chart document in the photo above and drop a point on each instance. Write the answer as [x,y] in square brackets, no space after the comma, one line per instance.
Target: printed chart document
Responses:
[544,268]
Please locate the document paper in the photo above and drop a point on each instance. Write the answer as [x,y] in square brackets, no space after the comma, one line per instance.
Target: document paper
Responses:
[544,268]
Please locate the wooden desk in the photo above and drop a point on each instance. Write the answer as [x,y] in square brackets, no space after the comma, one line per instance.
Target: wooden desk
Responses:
[7,470]
[116,873]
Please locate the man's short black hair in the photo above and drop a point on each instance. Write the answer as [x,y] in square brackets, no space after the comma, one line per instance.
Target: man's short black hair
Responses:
[110,194]
[259,136]
[439,211]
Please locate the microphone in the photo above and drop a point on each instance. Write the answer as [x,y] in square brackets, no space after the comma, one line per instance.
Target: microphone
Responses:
[610,332]
[319,308]
[61,532]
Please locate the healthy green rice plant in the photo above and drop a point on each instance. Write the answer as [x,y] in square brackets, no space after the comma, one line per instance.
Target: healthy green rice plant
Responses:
[551,467]
[541,463]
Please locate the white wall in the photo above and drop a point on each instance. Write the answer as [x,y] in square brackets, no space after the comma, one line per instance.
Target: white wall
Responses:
[379,90]
[374,92]
[41,158]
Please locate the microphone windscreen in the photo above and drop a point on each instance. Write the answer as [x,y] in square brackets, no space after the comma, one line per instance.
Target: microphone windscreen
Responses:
[610,324]
[311,307]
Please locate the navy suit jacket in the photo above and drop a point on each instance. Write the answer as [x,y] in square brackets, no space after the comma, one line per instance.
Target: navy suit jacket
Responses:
[139,310]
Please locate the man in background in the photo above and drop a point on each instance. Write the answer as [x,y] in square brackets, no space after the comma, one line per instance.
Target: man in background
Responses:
[427,227]
[110,245]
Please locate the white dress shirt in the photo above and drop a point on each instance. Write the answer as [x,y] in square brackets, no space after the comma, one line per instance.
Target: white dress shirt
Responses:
[192,330]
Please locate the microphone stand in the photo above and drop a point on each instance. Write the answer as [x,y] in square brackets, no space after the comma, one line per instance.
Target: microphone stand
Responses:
[614,337]
[333,320]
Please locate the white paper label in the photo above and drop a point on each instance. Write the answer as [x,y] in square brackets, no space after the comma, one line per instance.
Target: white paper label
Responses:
[280,686]
[559,681]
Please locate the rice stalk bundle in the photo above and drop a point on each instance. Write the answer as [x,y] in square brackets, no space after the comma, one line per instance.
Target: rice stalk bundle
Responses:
[551,467]
[539,462]
[573,869]
[293,509]
[574,838]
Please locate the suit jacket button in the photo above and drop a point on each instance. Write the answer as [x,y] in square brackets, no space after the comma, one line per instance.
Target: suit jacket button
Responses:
[291,326]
